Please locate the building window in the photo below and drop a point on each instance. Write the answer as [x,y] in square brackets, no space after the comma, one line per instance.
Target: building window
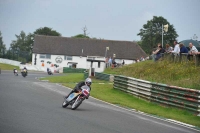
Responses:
[68,57]
[45,56]
[48,56]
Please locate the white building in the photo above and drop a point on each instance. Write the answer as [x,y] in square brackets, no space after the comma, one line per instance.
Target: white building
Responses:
[52,51]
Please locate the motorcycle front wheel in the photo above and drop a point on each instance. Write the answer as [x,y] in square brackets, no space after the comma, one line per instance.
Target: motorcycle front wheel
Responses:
[77,103]
[65,104]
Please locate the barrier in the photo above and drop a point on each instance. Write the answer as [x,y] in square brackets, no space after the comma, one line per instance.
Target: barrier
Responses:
[102,76]
[73,70]
[86,75]
[140,88]
[184,98]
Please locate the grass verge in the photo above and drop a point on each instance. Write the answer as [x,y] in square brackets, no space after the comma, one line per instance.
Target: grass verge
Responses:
[106,93]
[177,74]
[7,67]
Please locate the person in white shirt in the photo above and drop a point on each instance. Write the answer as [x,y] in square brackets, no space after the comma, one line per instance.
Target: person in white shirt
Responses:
[193,49]
[176,50]
[110,62]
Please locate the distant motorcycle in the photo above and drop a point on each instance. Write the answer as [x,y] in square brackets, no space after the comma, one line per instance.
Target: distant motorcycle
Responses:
[50,72]
[15,73]
[24,73]
[75,99]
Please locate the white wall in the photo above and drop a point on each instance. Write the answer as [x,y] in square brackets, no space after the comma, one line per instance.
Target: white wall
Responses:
[11,62]
[82,62]
[21,66]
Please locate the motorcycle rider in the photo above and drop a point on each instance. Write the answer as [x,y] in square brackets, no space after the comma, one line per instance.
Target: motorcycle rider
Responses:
[14,71]
[25,70]
[87,82]
[49,71]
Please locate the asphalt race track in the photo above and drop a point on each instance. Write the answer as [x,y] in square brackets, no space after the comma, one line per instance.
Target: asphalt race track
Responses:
[28,105]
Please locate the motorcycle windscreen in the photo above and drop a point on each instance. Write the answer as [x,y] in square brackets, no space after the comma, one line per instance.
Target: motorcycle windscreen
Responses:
[71,96]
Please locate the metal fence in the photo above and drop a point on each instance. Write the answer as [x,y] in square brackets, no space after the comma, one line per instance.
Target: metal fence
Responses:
[188,99]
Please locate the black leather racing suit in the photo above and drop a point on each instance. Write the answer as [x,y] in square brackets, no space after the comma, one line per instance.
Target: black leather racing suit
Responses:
[77,88]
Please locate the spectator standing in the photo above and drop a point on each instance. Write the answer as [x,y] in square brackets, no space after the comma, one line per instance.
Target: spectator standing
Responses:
[110,62]
[193,49]
[114,64]
[162,49]
[168,48]
[157,53]
[142,58]
[183,49]
[176,50]
[123,62]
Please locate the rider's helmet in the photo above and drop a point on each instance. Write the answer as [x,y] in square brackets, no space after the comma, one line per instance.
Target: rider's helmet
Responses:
[88,81]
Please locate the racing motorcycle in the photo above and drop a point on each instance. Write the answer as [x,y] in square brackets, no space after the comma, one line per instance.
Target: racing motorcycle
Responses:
[24,73]
[15,73]
[50,72]
[75,99]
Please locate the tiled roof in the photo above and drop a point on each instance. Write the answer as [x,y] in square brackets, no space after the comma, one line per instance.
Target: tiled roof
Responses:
[90,47]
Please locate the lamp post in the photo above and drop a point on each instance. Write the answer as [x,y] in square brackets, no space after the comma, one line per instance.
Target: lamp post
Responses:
[162,35]
[1,48]
[164,28]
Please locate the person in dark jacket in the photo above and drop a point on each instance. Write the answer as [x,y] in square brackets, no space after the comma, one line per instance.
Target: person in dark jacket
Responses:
[87,82]
[158,52]
[183,49]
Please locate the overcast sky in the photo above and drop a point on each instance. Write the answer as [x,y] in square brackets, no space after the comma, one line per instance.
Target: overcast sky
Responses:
[107,19]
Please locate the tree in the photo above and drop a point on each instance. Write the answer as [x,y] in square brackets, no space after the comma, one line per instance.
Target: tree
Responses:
[22,43]
[41,31]
[47,31]
[21,47]
[151,34]
[2,46]
[80,36]
[84,35]
[85,31]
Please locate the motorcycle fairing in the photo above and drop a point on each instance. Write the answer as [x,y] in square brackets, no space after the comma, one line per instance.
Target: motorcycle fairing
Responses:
[72,96]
